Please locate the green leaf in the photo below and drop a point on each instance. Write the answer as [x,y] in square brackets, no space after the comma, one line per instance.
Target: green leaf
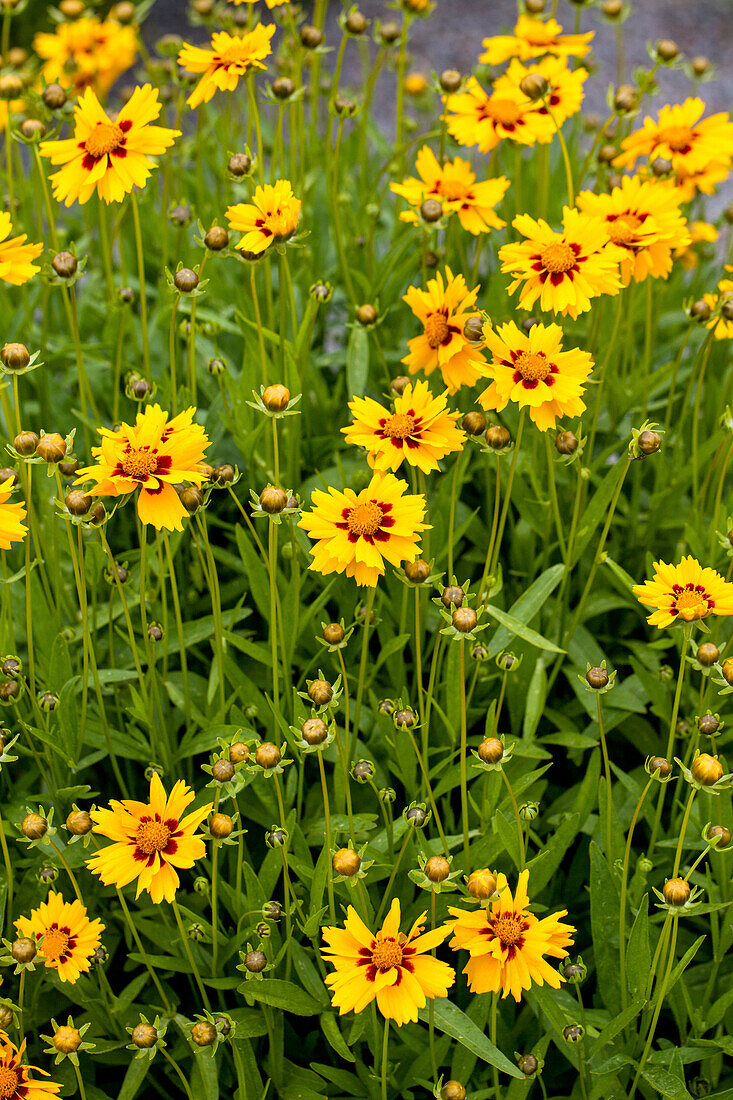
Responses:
[519,630]
[604,903]
[527,606]
[134,1078]
[280,994]
[638,953]
[357,361]
[334,1037]
[617,1024]
[449,1018]
[665,1082]
[598,507]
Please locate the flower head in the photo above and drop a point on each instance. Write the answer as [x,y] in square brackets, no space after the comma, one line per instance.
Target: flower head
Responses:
[151,455]
[230,58]
[151,840]
[723,328]
[421,429]
[86,53]
[12,515]
[507,943]
[69,938]
[685,592]
[387,966]
[272,216]
[443,309]
[691,143]
[532,370]
[534,38]
[16,256]
[562,100]
[15,1080]
[454,186]
[563,270]
[477,118]
[356,533]
[108,155]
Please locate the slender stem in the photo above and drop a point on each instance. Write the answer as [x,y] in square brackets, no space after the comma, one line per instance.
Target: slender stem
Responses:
[517,818]
[492,1034]
[657,1007]
[385,1053]
[172,340]
[8,875]
[363,660]
[553,497]
[189,955]
[286,881]
[431,797]
[463,759]
[565,156]
[329,842]
[138,943]
[607,769]
[495,551]
[686,631]
[80,1082]
[683,830]
[171,1061]
[141,281]
[624,884]
[272,538]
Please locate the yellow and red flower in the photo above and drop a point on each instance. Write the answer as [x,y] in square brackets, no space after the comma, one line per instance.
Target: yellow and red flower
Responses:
[86,53]
[16,266]
[270,218]
[680,135]
[443,309]
[476,118]
[15,1079]
[454,186]
[562,100]
[685,592]
[534,38]
[12,515]
[66,937]
[722,323]
[230,58]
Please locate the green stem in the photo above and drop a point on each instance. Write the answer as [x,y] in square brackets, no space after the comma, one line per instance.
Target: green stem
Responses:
[686,631]
[463,759]
[385,1053]
[189,955]
[138,943]
[520,833]
[607,770]
[141,281]
[329,843]
[657,1008]
[624,885]
[363,661]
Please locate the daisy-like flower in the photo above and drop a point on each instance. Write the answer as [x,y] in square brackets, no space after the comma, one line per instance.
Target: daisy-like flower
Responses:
[108,155]
[643,218]
[152,455]
[532,370]
[12,515]
[681,136]
[721,324]
[507,943]
[455,187]
[356,533]
[476,118]
[69,937]
[86,53]
[563,98]
[534,38]
[691,182]
[15,1080]
[152,841]
[230,58]
[16,266]
[270,3]
[421,429]
[272,216]
[388,966]
[563,270]
[685,592]
[443,309]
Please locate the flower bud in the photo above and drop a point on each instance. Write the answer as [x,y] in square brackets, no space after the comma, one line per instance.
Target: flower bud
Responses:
[51,447]
[431,211]
[453,1090]
[399,385]
[464,619]
[222,771]
[238,753]
[491,750]
[144,1036]
[78,502]
[15,357]
[180,215]
[661,166]
[23,950]
[367,315]
[498,437]
[450,80]
[123,11]
[11,666]
[534,86]
[481,884]
[362,771]
[255,961]
[282,87]
[597,678]
[314,731]
[474,422]
[346,862]
[25,443]
[719,835]
[268,755]
[356,23]
[276,838]
[221,826]
[726,310]
[708,724]
[67,1040]
[72,9]
[273,500]
[707,769]
[333,633]
[33,826]
[276,398]
[700,311]
[726,667]
[223,474]
[78,822]
[6,1017]
[11,86]
[566,443]
[659,764]
[320,692]
[607,153]
[417,571]
[626,98]
[649,442]
[416,816]
[54,97]
[9,691]
[528,1064]
[707,654]
[185,280]
[216,238]
[667,50]
[437,868]
[7,473]
[405,718]
[473,330]
[311,37]
[700,65]
[388,795]
[676,891]
[612,8]
[453,594]
[203,1033]
[573,1033]
[535,7]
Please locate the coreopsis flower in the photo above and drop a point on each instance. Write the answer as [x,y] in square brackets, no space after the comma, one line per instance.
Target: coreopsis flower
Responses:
[86,53]
[68,937]
[15,1080]
[643,218]
[532,370]
[723,327]
[415,83]
[16,266]
[356,533]
[230,58]
[108,155]
[421,430]
[443,309]
[388,966]
[700,232]
[691,182]
[507,944]
[271,217]
[680,135]
[562,100]
[685,592]
[534,38]
[270,3]
[477,118]
[152,455]
[563,270]
[151,841]
[12,515]
[454,186]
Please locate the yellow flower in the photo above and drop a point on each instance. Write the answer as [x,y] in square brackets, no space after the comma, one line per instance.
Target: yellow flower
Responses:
[69,938]
[686,591]
[109,156]
[15,255]
[415,83]
[151,840]
[690,182]
[272,216]
[643,218]
[86,53]
[680,136]
[152,455]
[722,326]
[270,3]
[443,309]
[421,430]
[534,38]
[11,517]
[230,58]
[507,943]
[15,1082]
[562,270]
[476,118]
[390,967]
[454,186]
[356,533]
[532,370]
[563,98]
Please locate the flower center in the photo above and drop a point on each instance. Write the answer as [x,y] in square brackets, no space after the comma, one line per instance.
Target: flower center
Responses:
[104,138]
[557,257]
[692,603]
[140,463]
[453,190]
[504,111]
[400,426]
[55,945]
[677,137]
[508,928]
[152,836]
[8,1082]
[622,230]
[364,519]
[532,367]
[436,330]
[386,954]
